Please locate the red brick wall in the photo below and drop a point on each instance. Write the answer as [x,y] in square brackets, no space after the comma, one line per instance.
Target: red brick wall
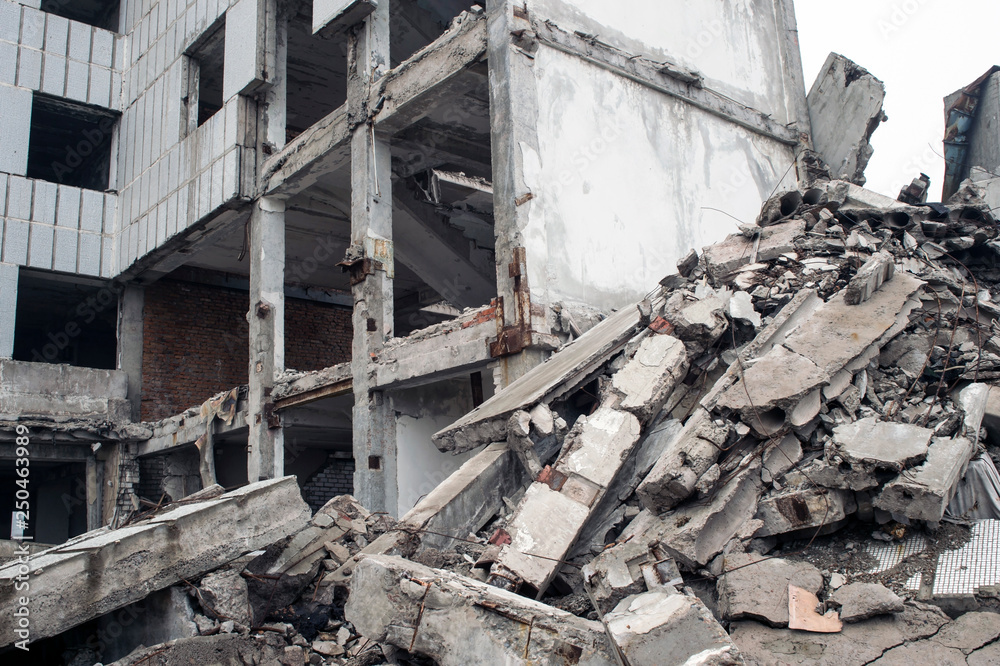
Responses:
[195,340]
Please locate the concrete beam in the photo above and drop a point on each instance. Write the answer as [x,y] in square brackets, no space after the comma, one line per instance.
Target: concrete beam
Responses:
[169,434]
[319,151]
[459,621]
[187,541]
[54,452]
[266,449]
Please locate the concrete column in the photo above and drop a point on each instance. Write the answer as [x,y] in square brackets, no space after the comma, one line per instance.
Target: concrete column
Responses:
[371,221]
[8,308]
[273,105]
[95,477]
[130,314]
[265,448]
[513,122]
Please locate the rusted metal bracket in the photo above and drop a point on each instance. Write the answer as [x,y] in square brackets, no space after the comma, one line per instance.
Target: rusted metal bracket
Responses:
[517,336]
[362,261]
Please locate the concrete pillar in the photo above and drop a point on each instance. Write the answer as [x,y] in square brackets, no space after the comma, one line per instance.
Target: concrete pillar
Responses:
[513,121]
[265,448]
[273,104]
[8,308]
[95,477]
[130,314]
[371,221]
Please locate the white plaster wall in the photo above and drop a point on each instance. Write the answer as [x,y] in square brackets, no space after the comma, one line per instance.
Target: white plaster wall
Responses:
[733,43]
[421,412]
[621,180]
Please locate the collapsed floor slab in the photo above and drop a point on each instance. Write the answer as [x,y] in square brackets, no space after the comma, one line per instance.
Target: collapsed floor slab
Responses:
[104,570]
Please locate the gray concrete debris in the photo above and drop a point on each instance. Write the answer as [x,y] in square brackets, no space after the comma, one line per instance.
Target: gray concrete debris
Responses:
[626,569]
[203,536]
[754,587]
[924,493]
[866,447]
[794,509]
[660,627]
[459,621]
[860,601]
[869,277]
[845,109]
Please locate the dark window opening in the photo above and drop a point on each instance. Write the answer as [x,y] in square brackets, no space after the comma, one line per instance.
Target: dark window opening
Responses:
[206,65]
[65,320]
[70,143]
[98,13]
[57,505]
[317,73]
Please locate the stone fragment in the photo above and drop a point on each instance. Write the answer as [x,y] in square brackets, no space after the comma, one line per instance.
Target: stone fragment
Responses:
[225,592]
[459,621]
[687,263]
[756,587]
[970,631]
[802,613]
[618,571]
[924,493]
[741,307]
[668,628]
[869,277]
[860,601]
[781,457]
[649,377]
[327,648]
[869,445]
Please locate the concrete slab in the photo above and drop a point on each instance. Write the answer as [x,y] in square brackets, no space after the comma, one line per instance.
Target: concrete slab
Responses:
[756,587]
[924,492]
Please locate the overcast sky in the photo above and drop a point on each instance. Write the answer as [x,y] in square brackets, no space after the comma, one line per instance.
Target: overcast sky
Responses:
[922,50]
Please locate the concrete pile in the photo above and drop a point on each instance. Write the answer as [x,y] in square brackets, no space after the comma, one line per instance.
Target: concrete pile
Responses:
[645,496]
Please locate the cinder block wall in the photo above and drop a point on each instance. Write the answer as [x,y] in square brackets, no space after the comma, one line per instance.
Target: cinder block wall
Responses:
[335,477]
[195,342]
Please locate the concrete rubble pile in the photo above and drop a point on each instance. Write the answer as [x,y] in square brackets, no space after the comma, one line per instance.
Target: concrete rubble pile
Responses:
[645,496]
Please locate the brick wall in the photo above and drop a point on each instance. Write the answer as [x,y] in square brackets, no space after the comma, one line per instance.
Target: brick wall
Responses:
[152,471]
[195,340]
[335,477]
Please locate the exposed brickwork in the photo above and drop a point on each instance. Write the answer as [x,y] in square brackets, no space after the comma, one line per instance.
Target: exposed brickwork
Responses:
[195,340]
[152,471]
[336,477]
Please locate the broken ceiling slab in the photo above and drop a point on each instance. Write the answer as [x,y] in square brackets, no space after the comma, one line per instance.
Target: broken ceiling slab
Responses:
[459,621]
[869,446]
[649,377]
[823,343]
[659,627]
[183,542]
[924,492]
[728,256]
[573,363]
[845,109]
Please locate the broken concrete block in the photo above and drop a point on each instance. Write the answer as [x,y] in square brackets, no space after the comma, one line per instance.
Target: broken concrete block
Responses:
[698,322]
[686,458]
[741,307]
[459,621]
[618,571]
[802,508]
[781,457]
[756,587]
[736,251]
[802,613]
[924,492]
[663,628]
[860,601]
[180,543]
[869,277]
[594,452]
[649,377]
[223,594]
[225,649]
[845,109]
[694,534]
[866,447]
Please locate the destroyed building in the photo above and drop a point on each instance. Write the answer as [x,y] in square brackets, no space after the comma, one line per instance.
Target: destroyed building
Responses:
[337,331]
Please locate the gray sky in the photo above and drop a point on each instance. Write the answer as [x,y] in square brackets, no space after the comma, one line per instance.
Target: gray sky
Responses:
[922,50]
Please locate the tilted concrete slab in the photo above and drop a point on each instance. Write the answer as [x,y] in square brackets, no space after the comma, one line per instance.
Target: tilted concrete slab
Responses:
[459,621]
[488,422]
[108,569]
